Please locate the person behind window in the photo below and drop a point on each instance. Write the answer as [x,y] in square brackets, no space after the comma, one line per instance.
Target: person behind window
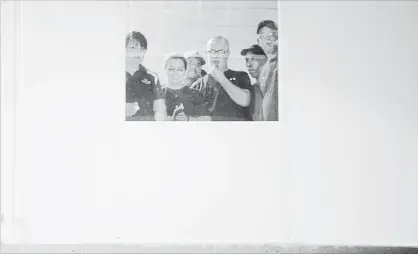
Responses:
[144,96]
[183,102]
[227,91]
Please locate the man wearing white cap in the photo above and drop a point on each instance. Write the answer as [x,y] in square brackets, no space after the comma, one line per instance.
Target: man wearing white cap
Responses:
[194,70]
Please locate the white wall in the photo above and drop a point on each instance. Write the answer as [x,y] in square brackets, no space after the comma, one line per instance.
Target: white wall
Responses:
[349,110]
[342,167]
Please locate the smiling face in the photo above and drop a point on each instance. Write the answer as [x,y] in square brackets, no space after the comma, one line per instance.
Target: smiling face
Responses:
[194,68]
[254,63]
[267,39]
[176,71]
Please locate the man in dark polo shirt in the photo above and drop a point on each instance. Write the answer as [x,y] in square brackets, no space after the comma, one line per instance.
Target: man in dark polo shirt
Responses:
[227,92]
[144,96]
[255,58]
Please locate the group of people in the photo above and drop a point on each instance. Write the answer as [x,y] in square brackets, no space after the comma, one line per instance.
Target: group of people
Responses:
[216,94]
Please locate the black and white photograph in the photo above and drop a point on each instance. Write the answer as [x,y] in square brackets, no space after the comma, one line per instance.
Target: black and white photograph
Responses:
[314,149]
[202,61]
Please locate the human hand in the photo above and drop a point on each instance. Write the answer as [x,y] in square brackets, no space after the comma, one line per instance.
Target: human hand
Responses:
[131,109]
[181,116]
[217,74]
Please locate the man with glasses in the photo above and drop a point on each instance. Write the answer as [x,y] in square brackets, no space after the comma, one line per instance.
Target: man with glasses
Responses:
[194,69]
[144,96]
[227,92]
[267,38]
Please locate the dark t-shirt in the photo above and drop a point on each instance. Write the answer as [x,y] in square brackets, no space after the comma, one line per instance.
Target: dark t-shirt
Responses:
[193,101]
[144,88]
[220,104]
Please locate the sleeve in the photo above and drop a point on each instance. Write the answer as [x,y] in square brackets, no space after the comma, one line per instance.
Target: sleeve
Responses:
[244,81]
[270,103]
[130,95]
[157,89]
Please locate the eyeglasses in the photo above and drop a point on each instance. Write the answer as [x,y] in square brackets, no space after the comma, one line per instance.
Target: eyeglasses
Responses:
[272,36]
[217,52]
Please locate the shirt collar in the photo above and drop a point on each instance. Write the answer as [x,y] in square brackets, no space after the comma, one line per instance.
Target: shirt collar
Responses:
[141,70]
[274,58]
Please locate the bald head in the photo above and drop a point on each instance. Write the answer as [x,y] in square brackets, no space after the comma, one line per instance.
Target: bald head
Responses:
[217,40]
[217,50]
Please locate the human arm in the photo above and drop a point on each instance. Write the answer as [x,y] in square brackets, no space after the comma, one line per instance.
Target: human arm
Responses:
[240,96]
[160,112]
[131,105]
[159,105]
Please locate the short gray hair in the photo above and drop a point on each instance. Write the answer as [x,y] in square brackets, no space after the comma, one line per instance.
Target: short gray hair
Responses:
[174,55]
[217,38]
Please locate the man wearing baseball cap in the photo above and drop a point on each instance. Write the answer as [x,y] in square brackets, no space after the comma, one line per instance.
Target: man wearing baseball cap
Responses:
[255,58]
[267,105]
[194,70]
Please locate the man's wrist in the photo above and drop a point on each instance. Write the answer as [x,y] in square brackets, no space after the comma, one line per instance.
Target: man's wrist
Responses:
[223,80]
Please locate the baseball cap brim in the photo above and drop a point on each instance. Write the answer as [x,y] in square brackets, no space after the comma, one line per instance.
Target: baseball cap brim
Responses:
[255,49]
[245,51]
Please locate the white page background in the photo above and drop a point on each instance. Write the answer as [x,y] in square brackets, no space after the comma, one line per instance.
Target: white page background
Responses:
[339,168]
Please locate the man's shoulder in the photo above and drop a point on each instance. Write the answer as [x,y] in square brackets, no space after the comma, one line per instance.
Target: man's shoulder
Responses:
[152,73]
[234,73]
[243,74]
[202,78]
[190,90]
[239,78]
[198,81]
[128,76]
[149,76]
